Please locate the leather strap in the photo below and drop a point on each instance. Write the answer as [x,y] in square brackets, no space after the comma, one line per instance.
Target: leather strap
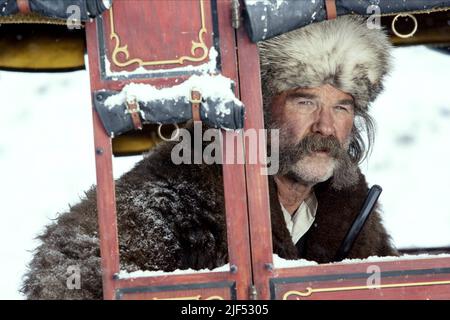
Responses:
[24,6]
[134,110]
[331,9]
[196,100]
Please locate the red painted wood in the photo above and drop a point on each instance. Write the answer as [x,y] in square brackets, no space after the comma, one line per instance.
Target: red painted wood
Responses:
[237,221]
[162,17]
[344,272]
[106,206]
[428,292]
[173,281]
[234,174]
[338,268]
[257,186]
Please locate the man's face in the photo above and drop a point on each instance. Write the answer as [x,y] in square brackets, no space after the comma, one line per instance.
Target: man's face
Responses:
[315,127]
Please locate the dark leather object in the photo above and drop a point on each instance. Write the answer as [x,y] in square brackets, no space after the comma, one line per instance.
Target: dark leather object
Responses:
[117,120]
[56,8]
[267,19]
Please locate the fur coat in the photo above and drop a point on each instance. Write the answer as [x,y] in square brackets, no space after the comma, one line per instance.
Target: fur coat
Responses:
[172,217]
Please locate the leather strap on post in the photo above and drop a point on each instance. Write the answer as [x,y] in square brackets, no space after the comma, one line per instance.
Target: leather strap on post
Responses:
[24,6]
[196,100]
[134,110]
[331,9]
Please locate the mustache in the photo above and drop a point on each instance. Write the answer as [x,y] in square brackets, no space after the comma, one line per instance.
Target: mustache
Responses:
[314,143]
[346,171]
[318,143]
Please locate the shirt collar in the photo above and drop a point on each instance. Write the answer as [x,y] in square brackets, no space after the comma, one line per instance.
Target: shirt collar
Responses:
[302,219]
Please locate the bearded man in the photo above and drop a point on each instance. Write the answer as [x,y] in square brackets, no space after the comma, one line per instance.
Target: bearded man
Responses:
[318,82]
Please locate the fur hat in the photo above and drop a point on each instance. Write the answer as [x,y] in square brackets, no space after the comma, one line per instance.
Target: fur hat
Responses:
[343,52]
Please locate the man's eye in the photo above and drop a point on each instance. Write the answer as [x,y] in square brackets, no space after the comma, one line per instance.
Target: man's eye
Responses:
[306,106]
[305,102]
[342,108]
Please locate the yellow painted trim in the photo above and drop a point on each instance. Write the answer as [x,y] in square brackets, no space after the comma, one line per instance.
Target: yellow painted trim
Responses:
[310,291]
[123,49]
[199,297]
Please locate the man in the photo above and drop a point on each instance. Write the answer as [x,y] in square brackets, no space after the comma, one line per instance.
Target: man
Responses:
[316,82]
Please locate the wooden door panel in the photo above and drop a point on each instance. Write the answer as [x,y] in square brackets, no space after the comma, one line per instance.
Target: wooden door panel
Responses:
[399,279]
[163,43]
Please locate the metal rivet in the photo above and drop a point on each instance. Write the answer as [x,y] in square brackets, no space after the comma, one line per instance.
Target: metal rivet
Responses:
[99,97]
[233,268]
[99,151]
[268,266]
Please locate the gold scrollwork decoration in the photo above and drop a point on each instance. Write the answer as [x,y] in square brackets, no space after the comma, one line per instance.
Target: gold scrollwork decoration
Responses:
[197,46]
[198,297]
[309,291]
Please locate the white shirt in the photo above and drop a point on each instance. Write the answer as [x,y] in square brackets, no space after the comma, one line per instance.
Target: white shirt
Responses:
[302,219]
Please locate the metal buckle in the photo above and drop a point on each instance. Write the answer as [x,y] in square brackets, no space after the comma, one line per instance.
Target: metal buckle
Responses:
[192,99]
[407,15]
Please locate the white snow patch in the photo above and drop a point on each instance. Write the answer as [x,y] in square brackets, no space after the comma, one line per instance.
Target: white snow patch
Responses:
[139,274]
[273,4]
[411,157]
[283,263]
[401,258]
[47,161]
[217,88]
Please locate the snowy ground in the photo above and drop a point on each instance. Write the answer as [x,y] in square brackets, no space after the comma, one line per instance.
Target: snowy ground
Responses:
[47,161]
[411,156]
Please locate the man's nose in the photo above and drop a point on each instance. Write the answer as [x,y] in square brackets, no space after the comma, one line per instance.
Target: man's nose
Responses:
[324,122]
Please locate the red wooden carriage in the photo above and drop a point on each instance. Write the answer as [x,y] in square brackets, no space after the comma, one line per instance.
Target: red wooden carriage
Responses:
[164,43]
[152,53]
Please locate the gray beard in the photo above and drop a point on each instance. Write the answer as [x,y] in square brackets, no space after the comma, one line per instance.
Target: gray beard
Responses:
[345,173]
[343,176]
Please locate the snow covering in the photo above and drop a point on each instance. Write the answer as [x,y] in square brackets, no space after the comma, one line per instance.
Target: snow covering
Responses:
[140,273]
[215,87]
[47,158]
[411,157]
[283,263]
[272,4]
[402,258]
